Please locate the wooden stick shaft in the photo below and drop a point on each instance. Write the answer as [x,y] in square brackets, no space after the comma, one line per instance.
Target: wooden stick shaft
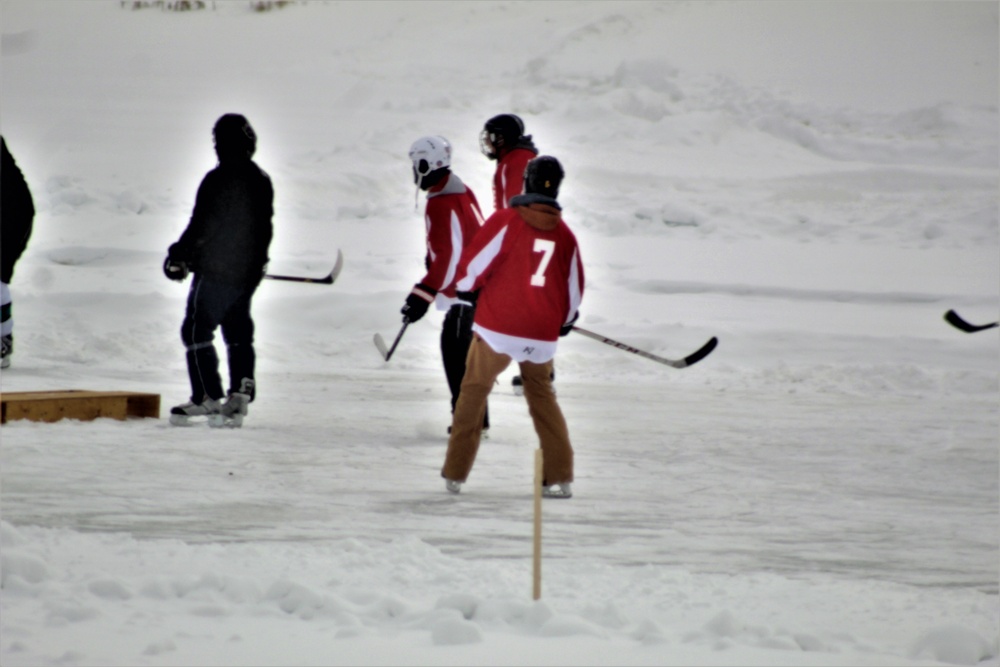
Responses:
[537,555]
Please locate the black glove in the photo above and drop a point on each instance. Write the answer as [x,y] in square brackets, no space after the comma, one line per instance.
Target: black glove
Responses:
[468,297]
[175,269]
[566,328]
[417,302]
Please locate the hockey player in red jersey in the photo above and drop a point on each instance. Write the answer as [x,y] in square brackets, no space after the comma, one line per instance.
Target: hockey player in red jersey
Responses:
[524,271]
[452,218]
[503,140]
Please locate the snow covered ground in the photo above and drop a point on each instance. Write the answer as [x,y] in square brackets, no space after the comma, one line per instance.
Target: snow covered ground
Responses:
[813,183]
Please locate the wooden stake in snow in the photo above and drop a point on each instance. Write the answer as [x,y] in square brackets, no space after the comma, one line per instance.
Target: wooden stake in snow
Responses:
[537,560]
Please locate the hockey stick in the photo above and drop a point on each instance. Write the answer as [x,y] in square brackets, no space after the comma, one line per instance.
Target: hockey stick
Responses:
[380,342]
[327,280]
[953,319]
[689,360]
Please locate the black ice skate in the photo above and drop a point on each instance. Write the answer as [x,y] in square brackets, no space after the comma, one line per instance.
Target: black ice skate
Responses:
[7,350]
[191,412]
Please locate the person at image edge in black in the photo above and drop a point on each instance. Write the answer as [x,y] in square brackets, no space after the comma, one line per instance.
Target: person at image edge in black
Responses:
[16,222]
[225,246]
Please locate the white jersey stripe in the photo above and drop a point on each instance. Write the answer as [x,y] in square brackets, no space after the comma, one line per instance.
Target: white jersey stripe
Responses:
[443,302]
[575,293]
[456,249]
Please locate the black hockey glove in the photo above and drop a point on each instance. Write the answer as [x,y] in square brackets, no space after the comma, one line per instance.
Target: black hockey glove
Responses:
[417,302]
[566,328]
[468,297]
[175,269]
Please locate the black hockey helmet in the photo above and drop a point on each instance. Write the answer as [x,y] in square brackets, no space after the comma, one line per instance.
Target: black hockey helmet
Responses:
[543,175]
[499,133]
[234,137]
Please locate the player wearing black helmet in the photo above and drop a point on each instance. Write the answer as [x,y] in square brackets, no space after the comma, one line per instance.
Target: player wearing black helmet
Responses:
[503,139]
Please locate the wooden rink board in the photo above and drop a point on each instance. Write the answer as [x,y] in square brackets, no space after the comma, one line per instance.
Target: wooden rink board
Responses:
[51,406]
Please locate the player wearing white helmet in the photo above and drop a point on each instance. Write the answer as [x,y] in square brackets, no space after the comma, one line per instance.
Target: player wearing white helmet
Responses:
[452,217]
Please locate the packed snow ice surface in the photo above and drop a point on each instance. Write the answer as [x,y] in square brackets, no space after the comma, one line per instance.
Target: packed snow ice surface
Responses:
[813,183]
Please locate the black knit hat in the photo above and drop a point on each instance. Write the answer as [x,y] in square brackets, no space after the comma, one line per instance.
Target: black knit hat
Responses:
[234,138]
[543,175]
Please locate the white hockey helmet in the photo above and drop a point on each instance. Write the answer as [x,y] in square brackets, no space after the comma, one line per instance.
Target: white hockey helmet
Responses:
[430,154]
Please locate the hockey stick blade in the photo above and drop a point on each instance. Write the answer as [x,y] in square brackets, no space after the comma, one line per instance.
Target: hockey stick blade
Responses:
[956,321]
[326,280]
[689,360]
[700,354]
[385,351]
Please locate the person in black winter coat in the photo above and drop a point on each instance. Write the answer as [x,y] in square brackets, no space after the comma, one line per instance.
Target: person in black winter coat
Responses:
[225,246]
[17,214]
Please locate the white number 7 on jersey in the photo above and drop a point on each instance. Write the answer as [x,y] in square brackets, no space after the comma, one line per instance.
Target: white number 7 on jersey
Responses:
[547,248]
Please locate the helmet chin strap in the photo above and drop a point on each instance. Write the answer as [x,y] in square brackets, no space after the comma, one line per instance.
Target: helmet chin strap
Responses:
[416,193]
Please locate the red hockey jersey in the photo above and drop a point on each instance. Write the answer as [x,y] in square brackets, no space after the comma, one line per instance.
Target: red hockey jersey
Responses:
[453,218]
[508,180]
[526,265]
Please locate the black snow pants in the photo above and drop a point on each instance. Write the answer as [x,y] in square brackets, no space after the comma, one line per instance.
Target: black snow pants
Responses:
[213,304]
[456,336]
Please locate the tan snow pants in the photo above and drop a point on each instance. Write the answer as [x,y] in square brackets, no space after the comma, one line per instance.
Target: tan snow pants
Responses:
[482,368]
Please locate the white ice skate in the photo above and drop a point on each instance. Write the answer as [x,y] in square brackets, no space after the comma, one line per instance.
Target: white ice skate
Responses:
[557,491]
[233,411]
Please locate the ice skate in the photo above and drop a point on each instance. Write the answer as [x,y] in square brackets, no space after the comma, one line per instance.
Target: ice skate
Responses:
[557,491]
[8,349]
[483,435]
[452,486]
[232,412]
[191,412]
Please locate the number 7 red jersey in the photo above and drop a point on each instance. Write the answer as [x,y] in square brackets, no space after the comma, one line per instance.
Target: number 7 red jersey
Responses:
[526,265]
